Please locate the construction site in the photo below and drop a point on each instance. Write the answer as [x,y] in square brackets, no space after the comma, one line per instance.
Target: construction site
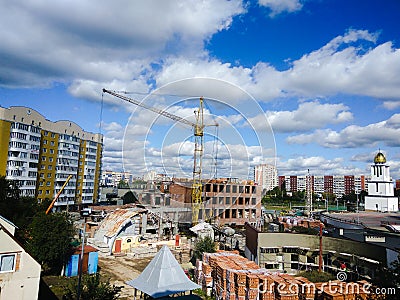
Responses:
[176,212]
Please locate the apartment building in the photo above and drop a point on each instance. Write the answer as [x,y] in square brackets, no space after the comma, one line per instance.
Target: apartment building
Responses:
[333,184]
[112,178]
[266,176]
[40,155]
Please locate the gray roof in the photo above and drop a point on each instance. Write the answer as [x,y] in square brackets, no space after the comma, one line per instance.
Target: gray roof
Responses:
[163,276]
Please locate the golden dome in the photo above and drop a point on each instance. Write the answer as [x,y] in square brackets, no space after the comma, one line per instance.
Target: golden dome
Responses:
[380,158]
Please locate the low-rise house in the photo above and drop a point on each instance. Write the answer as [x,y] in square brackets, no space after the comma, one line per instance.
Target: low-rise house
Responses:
[19,272]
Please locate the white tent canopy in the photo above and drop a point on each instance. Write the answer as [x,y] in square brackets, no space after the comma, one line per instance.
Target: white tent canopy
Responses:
[163,276]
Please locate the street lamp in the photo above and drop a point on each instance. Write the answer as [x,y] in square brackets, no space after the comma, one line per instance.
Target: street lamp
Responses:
[358,215]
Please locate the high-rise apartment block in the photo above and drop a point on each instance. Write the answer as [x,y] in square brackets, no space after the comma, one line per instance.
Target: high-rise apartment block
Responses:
[338,185]
[266,176]
[40,155]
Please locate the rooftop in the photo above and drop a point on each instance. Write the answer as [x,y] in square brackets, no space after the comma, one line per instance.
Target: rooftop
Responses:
[373,220]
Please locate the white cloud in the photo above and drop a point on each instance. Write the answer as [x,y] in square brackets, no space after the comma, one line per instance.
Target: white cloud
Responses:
[354,136]
[342,66]
[280,6]
[308,116]
[318,165]
[391,105]
[115,40]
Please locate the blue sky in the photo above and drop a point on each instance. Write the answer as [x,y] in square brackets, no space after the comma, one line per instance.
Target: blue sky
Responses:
[303,84]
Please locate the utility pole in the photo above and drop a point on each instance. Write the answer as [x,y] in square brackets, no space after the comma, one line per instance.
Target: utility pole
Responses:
[320,248]
[309,194]
[81,260]
[358,215]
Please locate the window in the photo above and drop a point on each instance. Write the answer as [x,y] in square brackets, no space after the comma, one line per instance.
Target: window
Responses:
[269,250]
[7,263]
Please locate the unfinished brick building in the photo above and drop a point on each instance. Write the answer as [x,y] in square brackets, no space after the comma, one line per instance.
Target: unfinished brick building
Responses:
[226,201]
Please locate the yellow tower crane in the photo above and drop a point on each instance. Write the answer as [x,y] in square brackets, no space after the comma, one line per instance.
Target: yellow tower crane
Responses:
[198,131]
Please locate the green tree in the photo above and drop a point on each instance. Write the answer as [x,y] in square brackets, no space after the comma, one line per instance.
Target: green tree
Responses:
[17,209]
[388,278]
[203,245]
[92,288]
[9,194]
[315,276]
[50,240]
[122,184]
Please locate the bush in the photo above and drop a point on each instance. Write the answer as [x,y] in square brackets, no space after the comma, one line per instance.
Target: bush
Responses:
[92,288]
[203,245]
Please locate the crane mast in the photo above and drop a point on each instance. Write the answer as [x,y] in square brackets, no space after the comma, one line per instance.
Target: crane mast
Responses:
[198,163]
[198,131]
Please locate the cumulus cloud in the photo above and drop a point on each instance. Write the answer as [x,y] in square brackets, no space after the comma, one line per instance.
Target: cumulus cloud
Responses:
[353,136]
[343,66]
[114,40]
[308,116]
[143,46]
[279,6]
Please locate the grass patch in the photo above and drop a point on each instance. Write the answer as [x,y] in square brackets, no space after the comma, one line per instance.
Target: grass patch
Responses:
[56,284]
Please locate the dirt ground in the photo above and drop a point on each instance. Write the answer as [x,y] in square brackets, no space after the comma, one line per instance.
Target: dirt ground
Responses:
[120,269]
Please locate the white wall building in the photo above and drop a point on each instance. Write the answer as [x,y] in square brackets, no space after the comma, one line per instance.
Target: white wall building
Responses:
[266,175]
[112,178]
[319,186]
[19,272]
[380,187]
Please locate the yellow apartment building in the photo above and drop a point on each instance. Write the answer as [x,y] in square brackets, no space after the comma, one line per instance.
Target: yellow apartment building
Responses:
[40,155]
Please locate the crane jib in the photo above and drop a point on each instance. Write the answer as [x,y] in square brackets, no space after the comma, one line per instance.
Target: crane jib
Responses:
[198,131]
[153,109]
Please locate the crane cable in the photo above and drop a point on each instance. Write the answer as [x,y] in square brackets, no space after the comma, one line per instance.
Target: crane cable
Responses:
[214,154]
[101,112]
[216,140]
